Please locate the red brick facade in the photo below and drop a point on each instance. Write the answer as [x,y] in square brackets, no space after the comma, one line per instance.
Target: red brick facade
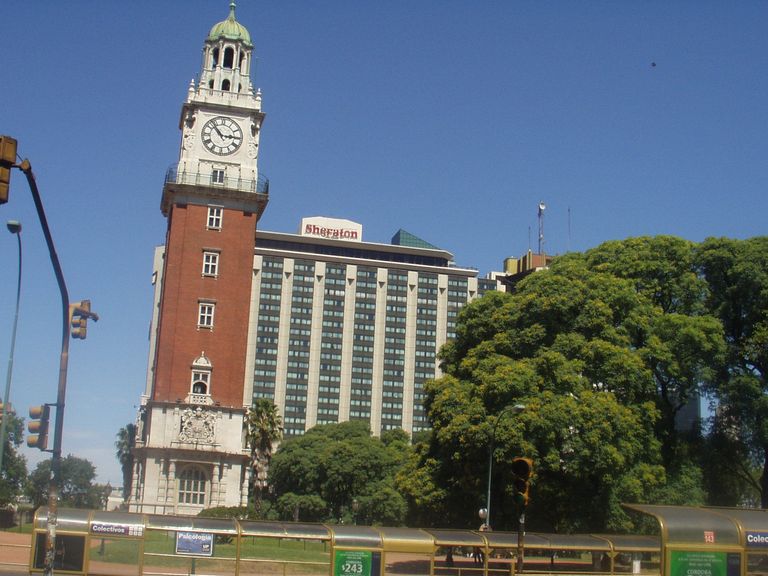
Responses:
[180,340]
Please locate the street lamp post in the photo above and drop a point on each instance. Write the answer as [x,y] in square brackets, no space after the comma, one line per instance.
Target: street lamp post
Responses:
[55,480]
[516,409]
[14,227]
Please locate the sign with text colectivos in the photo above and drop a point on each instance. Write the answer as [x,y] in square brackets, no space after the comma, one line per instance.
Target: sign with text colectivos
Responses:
[357,563]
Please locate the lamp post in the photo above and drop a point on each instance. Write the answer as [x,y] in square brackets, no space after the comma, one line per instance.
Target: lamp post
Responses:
[14,227]
[516,409]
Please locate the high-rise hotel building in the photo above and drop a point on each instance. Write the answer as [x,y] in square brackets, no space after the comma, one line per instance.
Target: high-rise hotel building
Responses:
[343,329]
[330,327]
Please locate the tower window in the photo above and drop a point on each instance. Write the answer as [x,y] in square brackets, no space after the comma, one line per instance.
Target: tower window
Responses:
[210,263]
[205,315]
[225,85]
[201,382]
[217,176]
[214,217]
[229,57]
[192,486]
[215,60]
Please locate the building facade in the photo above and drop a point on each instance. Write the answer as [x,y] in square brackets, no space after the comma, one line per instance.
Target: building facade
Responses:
[190,448]
[328,326]
[343,329]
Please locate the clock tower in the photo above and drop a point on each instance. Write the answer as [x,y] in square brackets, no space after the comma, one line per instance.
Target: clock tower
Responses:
[190,445]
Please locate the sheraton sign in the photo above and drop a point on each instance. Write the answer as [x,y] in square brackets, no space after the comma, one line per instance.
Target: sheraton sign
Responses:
[332,228]
[341,233]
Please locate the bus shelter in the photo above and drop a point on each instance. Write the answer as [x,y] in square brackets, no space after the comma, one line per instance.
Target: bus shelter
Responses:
[711,541]
[124,544]
[461,553]
[83,538]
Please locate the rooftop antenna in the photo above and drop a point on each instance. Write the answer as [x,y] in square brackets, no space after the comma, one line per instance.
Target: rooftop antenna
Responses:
[568,248]
[542,207]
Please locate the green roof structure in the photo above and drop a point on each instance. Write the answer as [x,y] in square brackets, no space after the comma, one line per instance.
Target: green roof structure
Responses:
[230,29]
[405,238]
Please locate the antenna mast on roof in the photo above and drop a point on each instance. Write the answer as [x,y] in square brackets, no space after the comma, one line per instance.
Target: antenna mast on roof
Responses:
[542,207]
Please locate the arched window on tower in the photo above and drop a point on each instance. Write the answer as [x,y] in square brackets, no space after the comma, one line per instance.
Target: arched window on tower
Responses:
[229,57]
[193,482]
[225,85]
[201,377]
[215,58]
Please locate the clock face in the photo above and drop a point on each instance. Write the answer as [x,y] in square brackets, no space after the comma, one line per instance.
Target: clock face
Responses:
[222,135]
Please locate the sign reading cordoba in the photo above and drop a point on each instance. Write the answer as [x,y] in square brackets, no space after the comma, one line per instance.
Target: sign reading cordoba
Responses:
[333,228]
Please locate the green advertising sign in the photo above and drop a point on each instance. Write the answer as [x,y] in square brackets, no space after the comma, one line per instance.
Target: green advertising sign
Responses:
[703,563]
[353,563]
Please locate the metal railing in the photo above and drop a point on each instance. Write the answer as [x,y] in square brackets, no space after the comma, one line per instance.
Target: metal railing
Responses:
[216,180]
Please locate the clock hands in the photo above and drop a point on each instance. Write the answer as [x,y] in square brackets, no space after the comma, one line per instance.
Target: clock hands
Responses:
[224,136]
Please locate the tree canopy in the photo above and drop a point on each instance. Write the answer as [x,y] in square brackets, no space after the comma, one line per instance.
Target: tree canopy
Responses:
[605,349]
[340,473]
[14,471]
[76,489]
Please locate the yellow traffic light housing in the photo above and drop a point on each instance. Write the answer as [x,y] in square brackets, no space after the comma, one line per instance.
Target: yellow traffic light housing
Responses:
[7,160]
[38,426]
[522,470]
[79,313]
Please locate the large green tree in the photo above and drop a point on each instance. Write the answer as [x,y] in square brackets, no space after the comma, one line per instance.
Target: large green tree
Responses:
[604,349]
[681,342]
[14,472]
[339,472]
[76,489]
[737,275]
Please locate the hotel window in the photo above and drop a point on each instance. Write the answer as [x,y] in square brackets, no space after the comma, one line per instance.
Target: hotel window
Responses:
[205,315]
[192,485]
[214,217]
[210,263]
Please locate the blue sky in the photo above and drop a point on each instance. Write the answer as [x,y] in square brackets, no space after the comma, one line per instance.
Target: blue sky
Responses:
[451,119]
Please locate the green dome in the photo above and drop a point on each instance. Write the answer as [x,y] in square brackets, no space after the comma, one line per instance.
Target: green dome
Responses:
[230,29]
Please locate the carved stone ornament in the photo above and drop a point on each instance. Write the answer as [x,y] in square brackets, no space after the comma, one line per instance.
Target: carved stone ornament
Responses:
[253,149]
[197,426]
[189,140]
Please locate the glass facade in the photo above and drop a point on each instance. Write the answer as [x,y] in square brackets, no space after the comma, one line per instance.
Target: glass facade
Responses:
[362,336]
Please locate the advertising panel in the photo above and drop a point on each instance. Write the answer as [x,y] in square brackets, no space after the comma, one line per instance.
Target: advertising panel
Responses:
[704,563]
[357,563]
[194,543]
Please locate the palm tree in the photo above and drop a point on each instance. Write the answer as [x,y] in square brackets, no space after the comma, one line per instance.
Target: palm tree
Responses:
[264,429]
[126,440]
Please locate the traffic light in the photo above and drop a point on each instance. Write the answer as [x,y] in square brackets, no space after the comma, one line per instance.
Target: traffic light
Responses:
[522,469]
[38,426]
[7,160]
[79,312]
